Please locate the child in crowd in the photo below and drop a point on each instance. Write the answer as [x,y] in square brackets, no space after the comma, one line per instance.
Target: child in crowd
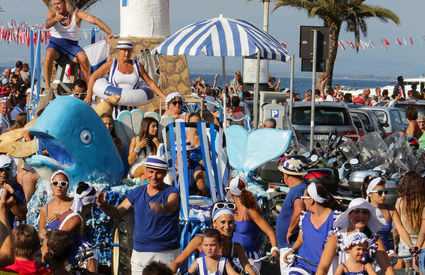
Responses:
[211,262]
[356,245]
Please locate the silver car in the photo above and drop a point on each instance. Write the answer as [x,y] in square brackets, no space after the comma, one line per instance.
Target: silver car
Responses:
[392,119]
[330,118]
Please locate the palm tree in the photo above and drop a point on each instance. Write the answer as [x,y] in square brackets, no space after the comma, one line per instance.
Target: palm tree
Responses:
[336,12]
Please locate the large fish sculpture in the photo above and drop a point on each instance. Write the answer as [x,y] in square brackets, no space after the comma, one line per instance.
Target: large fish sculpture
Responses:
[77,142]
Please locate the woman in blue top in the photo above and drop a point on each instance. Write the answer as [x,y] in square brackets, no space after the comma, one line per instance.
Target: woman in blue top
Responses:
[249,221]
[315,225]
[374,192]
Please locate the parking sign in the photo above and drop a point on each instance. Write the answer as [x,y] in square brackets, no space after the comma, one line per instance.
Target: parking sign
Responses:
[274,113]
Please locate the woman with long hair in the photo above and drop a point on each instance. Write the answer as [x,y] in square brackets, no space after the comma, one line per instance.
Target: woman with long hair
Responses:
[374,191]
[249,221]
[223,220]
[411,192]
[109,123]
[315,225]
[361,216]
[144,144]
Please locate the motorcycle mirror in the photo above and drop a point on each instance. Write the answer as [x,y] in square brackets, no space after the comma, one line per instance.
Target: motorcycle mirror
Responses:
[354,161]
[314,158]
[332,160]
[306,154]
[395,176]
[338,139]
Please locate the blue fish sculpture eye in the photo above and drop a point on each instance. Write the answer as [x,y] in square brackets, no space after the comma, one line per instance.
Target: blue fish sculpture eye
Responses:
[85,136]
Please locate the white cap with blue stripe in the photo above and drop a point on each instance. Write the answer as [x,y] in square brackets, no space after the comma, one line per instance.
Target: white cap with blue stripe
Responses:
[124,44]
[156,162]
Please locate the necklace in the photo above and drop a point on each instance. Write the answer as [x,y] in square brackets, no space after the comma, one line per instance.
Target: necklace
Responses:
[65,19]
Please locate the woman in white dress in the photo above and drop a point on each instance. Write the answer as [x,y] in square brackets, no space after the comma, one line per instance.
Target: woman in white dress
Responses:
[361,216]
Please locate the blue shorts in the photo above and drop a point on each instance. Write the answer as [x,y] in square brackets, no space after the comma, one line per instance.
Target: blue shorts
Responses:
[65,47]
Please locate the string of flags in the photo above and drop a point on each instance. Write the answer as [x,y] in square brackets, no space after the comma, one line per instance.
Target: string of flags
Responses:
[19,33]
[387,43]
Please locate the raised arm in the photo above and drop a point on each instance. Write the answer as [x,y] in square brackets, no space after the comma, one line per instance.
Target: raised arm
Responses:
[150,82]
[52,18]
[112,211]
[6,245]
[171,206]
[96,21]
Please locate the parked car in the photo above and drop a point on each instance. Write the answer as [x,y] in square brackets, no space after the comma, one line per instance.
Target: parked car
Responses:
[369,119]
[330,118]
[393,119]
[361,128]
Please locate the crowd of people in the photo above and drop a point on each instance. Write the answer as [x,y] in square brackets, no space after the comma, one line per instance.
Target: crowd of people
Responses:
[312,224]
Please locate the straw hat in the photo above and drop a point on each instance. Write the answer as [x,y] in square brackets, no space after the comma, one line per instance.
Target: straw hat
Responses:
[292,166]
[376,222]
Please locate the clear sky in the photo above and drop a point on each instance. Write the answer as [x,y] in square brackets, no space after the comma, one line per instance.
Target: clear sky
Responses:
[284,25]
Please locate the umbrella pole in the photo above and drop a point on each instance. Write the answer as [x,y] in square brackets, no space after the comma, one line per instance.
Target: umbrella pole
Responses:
[256,91]
[224,94]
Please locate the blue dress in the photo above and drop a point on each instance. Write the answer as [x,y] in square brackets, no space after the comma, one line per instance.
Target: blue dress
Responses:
[78,240]
[285,215]
[386,233]
[363,272]
[247,234]
[314,240]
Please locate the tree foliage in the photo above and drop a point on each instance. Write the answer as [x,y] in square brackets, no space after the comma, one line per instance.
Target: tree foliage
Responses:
[335,13]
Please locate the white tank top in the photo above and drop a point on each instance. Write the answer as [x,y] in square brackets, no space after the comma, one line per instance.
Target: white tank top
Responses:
[71,32]
[124,81]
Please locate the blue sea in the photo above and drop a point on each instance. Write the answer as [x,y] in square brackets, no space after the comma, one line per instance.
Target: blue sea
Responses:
[302,85]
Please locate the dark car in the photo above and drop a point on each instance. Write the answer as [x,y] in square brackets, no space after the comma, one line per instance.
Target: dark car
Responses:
[330,118]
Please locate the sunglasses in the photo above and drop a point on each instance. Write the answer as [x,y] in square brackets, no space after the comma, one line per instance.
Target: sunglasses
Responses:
[222,205]
[362,211]
[60,183]
[380,192]
[305,197]
[176,102]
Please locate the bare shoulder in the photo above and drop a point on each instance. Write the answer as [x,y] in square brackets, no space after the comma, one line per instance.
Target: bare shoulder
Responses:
[51,14]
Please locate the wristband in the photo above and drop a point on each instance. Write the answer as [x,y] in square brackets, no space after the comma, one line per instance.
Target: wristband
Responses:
[137,150]
[274,248]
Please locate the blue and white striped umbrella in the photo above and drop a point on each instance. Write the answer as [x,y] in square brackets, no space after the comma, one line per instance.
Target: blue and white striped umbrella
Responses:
[222,37]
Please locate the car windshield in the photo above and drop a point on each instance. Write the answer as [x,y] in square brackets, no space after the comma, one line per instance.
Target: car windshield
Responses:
[323,116]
